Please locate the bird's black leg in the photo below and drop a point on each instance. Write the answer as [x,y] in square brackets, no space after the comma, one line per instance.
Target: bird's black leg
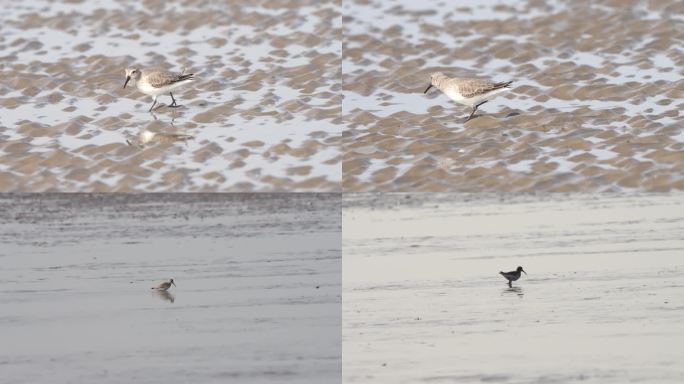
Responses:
[471,114]
[153,104]
[510,285]
[173,102]
[475,109]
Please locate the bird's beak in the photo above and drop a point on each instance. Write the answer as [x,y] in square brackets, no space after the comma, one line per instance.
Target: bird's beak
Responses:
[428,88]
[128,78]
[174,284]
[524,271]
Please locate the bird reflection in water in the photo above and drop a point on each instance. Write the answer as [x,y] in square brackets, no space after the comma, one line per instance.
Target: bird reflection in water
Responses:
[146,136]
[513,290]
[165,295]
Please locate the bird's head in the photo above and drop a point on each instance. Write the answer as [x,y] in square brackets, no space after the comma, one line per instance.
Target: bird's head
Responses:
[171,281]
[132,74]
[520,269]
[434,80]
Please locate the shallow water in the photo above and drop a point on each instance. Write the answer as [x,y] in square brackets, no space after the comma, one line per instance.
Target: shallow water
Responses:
[596,103]
[263,114]
[423,301]
[257,299]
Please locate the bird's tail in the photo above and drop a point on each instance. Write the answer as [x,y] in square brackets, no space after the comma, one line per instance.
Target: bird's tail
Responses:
[506,84]
[189,76]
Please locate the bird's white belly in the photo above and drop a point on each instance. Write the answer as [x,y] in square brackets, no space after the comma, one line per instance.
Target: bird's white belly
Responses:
[457,97]
[471,102]
[152,91]
[149,90]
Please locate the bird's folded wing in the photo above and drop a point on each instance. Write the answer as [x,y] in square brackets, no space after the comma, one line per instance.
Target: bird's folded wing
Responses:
[474,87]
[161,79]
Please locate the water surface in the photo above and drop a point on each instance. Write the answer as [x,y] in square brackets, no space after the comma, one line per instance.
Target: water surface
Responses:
[423,301]
[257,299]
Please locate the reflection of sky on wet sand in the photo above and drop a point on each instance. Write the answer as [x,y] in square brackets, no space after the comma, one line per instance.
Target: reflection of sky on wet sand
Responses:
[249,97]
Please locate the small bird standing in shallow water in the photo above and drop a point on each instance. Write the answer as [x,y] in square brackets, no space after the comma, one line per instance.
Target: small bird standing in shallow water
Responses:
[155,83]
[512,275]
[470,92]
[164,286]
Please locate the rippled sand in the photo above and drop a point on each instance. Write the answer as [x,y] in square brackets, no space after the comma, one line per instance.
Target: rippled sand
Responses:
[596,104]
[257,297]
[264,114]
[423,301]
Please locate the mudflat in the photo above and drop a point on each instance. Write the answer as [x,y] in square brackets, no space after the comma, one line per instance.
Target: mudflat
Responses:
[596,103]
[263,114]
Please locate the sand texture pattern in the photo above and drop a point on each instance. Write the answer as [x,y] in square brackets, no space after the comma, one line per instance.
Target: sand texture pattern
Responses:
[263,114]
[596,103]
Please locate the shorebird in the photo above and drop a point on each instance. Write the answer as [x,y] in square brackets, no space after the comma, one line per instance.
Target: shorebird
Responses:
[155,83]
[512,275]
[164,286]
[467,91]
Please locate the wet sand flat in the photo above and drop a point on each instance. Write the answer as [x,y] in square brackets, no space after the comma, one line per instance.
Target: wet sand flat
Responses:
[257,300]
[263,114]
[596,103]
[423,301]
